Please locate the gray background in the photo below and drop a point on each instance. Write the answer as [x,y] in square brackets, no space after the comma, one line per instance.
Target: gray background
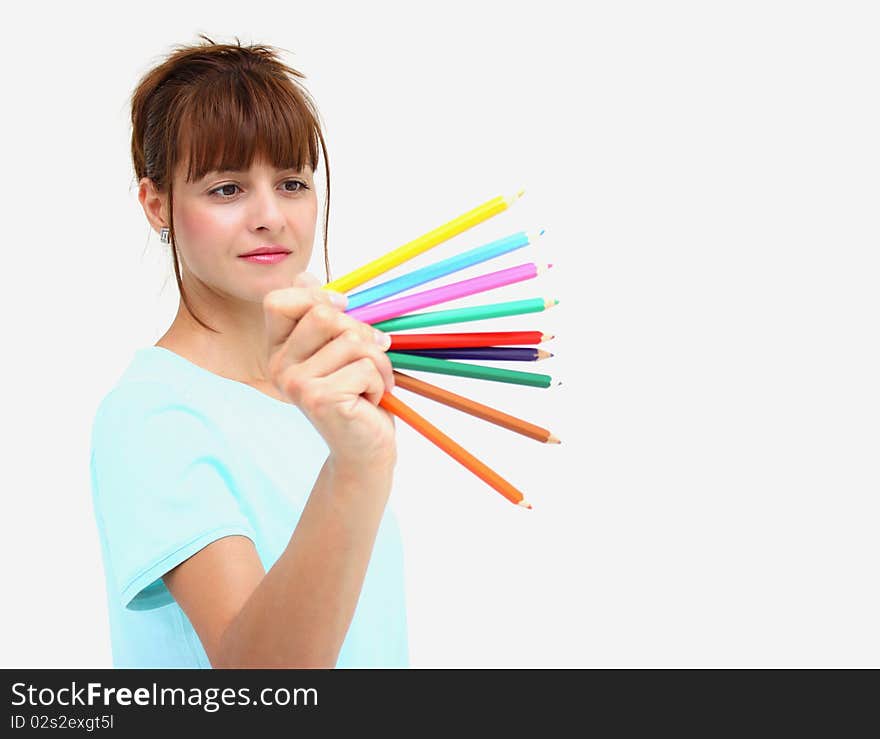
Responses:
[707,175]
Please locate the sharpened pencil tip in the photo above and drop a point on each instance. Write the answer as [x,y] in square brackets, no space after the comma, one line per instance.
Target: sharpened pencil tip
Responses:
[541,232]
[525,504]
[520,193]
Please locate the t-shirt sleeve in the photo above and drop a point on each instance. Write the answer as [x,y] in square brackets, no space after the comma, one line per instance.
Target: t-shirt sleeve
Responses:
[163,488]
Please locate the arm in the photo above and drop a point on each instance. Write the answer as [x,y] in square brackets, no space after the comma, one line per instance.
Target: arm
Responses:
[298,613]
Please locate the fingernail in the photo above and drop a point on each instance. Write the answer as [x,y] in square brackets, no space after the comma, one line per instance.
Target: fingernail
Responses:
[340,300]
[382,339]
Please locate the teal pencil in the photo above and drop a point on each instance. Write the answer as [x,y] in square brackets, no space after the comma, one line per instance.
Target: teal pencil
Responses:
[462,315]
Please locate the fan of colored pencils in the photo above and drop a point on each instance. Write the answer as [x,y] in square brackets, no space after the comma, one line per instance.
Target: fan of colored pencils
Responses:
[436,352]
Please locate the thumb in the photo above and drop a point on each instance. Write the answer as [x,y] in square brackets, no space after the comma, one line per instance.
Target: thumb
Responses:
[306,279]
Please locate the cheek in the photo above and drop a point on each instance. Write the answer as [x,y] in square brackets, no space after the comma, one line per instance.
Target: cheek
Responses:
[200,231]
[308,222]
[309,212]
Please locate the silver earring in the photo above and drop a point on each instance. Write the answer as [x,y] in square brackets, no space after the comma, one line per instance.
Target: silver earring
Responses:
[164,237]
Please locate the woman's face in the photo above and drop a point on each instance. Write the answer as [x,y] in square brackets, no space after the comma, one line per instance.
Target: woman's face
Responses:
[227,214]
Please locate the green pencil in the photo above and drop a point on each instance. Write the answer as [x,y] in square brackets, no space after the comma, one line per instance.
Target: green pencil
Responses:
[461,315]
[463,369]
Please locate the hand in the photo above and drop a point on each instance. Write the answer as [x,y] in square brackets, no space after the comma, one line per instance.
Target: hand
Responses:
[331,367]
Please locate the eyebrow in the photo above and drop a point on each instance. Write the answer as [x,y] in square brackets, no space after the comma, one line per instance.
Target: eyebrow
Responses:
[242,171]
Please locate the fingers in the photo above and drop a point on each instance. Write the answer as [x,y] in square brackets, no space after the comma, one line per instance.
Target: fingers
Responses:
[309,336]
[284,308]
[349,347]
[350,385]
[323,324]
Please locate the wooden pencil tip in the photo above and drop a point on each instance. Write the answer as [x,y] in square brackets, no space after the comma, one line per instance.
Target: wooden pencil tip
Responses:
[533,236]
[525,504]
[520,193]
[553,440]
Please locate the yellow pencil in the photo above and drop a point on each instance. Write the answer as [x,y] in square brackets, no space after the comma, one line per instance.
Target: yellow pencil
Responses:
[423,243]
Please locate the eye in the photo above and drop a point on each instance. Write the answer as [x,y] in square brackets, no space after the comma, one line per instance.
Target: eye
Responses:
[216,190]
[302,185]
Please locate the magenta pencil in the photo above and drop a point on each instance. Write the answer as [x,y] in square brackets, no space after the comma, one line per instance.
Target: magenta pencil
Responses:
[401,306]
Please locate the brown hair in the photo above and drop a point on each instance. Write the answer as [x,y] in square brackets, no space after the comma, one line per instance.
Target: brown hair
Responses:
[220,106]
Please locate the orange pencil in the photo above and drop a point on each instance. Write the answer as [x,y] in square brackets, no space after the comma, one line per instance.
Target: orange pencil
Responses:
[454,450]
[487,413]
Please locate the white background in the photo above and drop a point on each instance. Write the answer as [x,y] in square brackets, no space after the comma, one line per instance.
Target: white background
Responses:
[708,177]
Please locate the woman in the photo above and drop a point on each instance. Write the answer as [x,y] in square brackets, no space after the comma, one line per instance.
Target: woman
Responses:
[241,466]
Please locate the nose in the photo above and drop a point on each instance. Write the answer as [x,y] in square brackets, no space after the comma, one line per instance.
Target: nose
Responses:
[266,208]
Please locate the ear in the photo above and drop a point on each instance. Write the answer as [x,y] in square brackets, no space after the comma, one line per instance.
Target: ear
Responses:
[154,204]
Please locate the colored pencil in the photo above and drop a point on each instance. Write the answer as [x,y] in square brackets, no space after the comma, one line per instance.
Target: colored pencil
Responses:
[404,342]
[427,241]
[484,353]
[462,369]
[462,315]
[454,450]
[485,412]
[401,306]
[408,251]
[441,269]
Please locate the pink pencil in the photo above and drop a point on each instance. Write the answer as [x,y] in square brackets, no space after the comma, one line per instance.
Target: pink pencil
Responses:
[393,308]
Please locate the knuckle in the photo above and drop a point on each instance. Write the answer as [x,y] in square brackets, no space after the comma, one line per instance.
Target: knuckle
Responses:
[293,385]
[310,398]
[380,358]
[366,365]
[323,314]
[384,360]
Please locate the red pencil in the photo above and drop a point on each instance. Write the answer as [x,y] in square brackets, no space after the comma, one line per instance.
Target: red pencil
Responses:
[401,342]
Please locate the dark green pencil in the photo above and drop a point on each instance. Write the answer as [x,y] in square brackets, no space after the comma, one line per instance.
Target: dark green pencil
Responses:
[463,369]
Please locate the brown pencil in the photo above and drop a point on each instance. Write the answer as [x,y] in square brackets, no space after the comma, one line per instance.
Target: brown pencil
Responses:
[487,413]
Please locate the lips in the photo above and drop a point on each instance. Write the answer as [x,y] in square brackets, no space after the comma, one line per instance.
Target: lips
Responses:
[266,250]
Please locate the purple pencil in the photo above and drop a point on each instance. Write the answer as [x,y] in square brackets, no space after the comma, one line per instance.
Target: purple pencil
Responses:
[487,353]
[401,306]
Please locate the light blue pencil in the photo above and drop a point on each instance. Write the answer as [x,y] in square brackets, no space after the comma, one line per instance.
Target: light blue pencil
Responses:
[441,269]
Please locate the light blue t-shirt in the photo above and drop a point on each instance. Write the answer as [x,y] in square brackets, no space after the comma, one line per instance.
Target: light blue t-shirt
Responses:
[181,457]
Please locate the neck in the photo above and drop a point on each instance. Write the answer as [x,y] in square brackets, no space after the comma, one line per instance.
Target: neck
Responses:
[238,348]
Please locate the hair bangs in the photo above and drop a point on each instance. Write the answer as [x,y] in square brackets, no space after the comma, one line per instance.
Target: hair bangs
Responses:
[237,120]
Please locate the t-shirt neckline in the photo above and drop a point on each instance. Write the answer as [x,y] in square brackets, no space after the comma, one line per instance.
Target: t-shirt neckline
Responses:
[201,370]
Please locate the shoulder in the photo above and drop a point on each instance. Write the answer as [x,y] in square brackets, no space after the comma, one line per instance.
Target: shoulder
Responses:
[150,414]
[132,399]
[151,384]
